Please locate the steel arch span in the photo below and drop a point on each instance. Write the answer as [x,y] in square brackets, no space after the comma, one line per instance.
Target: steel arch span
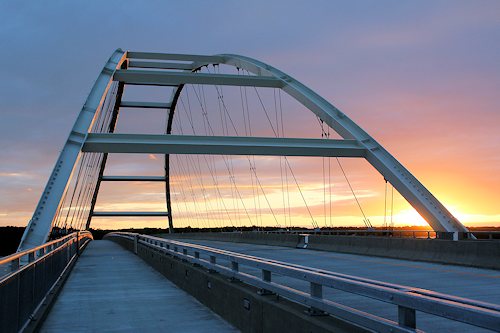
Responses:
[176,70]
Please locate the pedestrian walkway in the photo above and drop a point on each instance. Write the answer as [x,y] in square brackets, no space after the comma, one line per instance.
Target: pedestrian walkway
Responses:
[112,290]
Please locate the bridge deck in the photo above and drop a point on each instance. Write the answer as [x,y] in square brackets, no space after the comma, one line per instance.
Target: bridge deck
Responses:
[110,289]
[474,283]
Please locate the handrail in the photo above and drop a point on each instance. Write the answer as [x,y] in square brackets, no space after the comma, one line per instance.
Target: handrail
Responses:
[39,251]
[29,280]
[408,299]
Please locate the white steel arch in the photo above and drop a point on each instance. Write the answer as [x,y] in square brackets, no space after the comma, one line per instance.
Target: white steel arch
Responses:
[40,225]
[38,229]
[424,202]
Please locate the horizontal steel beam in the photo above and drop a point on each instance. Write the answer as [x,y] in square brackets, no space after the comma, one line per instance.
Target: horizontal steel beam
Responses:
[175,57]
[220,145]
[159,78]
[133,178]
[160,65]
[129,214]
[145,105]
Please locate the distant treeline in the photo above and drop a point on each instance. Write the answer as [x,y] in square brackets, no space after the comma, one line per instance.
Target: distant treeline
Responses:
[9,239]
[11,236]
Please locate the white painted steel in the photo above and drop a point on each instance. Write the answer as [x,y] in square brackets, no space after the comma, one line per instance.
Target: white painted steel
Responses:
[133,178]
[145,105]
[160,78]
[129,214]
[431,209]
[438,217]
[159,65]
[174,57]
[39,226]
[219,145]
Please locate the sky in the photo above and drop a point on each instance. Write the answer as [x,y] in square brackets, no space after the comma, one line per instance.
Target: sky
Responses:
[422,77]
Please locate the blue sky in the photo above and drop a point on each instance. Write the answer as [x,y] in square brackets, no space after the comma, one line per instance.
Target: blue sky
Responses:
[423,77]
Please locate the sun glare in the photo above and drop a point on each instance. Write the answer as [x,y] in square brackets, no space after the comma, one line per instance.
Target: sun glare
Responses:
[409,217]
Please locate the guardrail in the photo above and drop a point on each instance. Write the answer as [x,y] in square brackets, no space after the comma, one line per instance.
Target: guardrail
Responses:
[489,235]
[27,278]
[407,299]
[399,233]
[429,234]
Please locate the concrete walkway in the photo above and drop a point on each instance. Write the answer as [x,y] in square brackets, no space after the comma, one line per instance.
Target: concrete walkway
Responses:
[112,290]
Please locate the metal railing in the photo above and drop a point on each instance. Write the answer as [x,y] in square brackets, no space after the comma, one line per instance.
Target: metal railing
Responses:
[27,278]
[407,299]
[396,233]
[483,234]
[429,234]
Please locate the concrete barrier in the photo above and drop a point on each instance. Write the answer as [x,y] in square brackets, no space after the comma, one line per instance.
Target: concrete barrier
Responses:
[482,254]
[289,240]
[238,303]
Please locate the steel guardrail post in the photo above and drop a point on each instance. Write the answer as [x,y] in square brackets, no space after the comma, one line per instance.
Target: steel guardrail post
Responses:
[316,291]
[213,261]
[266,277]
[136,243]
[78,243]
[197,258]
[14,265]
[407,317]
[235,268]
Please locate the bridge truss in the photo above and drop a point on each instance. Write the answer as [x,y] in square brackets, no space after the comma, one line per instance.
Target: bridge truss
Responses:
[79,170]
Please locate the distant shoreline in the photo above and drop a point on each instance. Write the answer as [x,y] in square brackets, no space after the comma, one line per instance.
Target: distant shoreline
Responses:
[10,235]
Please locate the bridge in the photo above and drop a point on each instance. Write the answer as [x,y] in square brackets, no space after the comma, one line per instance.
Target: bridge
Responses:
[216,168]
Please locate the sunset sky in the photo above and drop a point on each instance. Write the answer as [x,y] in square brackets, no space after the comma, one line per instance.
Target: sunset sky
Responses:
[421,77]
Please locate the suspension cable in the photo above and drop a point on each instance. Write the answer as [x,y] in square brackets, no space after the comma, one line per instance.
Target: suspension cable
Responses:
[212,132]
[385,205]
[392,205]
[314,223]
[365,220]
